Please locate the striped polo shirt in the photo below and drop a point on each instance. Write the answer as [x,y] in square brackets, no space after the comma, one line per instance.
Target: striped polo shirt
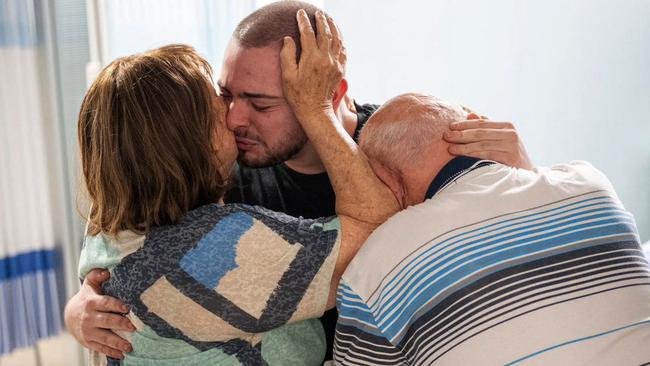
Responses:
[500,266]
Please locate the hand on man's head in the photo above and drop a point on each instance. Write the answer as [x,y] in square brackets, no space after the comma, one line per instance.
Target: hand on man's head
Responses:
[482,138]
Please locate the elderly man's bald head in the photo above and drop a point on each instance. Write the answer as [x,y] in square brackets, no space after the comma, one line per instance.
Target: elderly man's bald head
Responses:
[400,132]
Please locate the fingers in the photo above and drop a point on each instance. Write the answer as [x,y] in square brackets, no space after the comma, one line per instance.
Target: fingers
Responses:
[98,323]
[106,304]
[96,277]
[307,36]
[337,42]
[107,350]
[288,58]
[474,148]
[343,56]
[480,134]
[112,321]
[324,37]
[107,338]
[480,123]
[338,50]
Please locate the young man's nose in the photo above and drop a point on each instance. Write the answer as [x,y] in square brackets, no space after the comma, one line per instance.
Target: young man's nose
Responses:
[237,114]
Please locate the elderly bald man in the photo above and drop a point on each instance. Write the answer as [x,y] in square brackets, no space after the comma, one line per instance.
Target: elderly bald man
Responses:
[489,264]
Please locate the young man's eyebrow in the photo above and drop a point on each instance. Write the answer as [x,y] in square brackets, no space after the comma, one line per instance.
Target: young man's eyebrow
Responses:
[250,94]
[260,95]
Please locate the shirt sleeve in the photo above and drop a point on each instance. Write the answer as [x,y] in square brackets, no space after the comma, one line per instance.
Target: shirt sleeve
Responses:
[97,252]
[227,272]
[102,251]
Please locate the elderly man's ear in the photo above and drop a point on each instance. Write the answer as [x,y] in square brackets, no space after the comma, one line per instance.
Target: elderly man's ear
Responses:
[392,180]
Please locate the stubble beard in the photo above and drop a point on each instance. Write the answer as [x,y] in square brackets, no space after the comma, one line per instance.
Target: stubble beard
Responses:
[284,150]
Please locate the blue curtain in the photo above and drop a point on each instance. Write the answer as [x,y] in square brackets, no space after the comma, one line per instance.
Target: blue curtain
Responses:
[30,274]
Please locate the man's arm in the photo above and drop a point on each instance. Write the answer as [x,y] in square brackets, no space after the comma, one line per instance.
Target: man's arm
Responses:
[362,201]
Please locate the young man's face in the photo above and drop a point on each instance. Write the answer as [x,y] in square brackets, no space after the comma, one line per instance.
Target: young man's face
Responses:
[265,127]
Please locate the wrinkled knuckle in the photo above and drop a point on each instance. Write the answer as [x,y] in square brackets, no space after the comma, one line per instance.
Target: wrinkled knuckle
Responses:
[124,345]
[91,303]
[104,302]
[100,318]
[103,338]
[510,126]
[84,317]
[86,323]
[125,323]
[114,342]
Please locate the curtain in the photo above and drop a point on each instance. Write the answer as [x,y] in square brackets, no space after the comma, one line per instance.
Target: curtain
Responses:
[30,270]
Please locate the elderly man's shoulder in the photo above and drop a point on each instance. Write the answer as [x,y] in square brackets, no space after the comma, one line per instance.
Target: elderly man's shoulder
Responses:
[484,197]
[577,173]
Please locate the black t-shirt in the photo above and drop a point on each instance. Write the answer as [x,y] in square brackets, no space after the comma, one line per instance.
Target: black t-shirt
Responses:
[280,188]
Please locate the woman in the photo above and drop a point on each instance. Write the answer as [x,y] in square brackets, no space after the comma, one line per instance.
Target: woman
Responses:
[208,283]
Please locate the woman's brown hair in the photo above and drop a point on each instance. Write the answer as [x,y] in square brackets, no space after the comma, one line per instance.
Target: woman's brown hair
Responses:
[146,131]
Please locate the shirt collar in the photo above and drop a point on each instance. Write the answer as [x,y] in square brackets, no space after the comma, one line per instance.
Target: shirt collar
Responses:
[452,170]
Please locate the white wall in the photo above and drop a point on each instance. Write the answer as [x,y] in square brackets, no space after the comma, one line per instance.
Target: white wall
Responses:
[573,75]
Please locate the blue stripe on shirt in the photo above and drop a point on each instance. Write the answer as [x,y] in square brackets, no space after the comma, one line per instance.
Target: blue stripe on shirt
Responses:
[579,340]
[402,310]
[395,282]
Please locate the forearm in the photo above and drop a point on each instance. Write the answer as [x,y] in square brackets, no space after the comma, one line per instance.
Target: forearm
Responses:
[353,234]
[359,193]
[310,90]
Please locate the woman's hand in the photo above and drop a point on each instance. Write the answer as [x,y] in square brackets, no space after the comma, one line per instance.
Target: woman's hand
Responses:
[482,138]
[309,85]
[92,317]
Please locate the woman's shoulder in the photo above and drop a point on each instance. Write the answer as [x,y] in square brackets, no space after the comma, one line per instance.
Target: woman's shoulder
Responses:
[234,220]
[105,251]
[210,214]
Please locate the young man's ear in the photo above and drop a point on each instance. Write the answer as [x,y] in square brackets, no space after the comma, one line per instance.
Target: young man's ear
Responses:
[339,93]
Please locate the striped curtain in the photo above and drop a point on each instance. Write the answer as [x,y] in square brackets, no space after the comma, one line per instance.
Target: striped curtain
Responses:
[30,306]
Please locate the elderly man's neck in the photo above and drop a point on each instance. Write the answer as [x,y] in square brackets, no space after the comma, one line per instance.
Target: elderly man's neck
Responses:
[417,180]
[307,161]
